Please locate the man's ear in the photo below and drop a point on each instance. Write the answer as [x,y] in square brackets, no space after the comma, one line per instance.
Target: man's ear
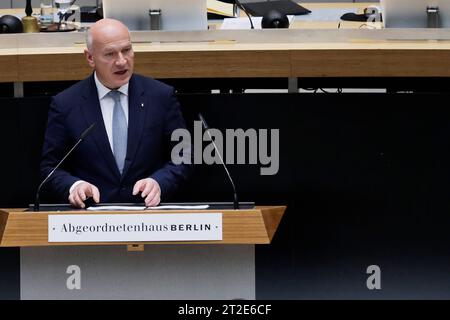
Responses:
[89,58]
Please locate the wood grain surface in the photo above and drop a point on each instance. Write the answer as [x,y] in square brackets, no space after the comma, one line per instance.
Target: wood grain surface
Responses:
[256,226]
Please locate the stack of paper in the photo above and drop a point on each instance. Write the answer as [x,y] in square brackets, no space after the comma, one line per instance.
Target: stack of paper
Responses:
[140,208]
[220,8]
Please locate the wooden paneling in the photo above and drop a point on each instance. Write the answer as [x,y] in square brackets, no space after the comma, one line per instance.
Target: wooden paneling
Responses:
[371,63]
[212,64]
[255,226]
[52,67]
[9,68]
[309,60]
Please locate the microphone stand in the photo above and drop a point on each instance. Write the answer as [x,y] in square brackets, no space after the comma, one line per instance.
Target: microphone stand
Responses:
[235,197]
[83,135]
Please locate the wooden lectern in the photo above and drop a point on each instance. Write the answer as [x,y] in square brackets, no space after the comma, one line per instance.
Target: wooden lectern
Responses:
[166,270]
[20,228]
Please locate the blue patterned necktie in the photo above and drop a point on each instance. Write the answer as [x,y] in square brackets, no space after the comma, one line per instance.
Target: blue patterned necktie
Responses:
[119,131]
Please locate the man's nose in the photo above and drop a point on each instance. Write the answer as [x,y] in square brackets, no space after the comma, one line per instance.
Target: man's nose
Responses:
[121,59]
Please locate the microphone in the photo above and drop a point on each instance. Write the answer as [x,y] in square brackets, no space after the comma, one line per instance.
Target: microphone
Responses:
[83,135]
[205,125]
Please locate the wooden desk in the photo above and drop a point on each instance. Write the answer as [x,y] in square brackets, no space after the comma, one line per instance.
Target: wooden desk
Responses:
[304,52]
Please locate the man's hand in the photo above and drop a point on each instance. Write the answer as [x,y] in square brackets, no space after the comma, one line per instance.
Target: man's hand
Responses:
[81,192]
[150,190]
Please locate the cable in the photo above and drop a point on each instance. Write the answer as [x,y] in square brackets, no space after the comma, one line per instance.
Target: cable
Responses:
[367,26]
[238,3]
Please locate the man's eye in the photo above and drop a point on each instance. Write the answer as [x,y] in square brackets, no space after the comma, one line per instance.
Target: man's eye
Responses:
[109,54]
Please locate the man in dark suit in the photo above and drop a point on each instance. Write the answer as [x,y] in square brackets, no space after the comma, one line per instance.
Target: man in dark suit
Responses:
[126,158]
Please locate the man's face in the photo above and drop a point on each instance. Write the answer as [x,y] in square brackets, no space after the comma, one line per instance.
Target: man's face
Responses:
[112,56]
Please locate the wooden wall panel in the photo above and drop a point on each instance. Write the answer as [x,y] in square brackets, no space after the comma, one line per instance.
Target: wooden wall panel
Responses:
[213,64]
[52,67]
[9,68]
[370,63]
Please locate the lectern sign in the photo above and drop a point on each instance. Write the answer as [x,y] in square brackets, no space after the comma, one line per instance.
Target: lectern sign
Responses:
[134,227]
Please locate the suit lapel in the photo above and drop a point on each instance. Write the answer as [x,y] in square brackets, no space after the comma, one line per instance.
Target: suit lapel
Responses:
[93,114]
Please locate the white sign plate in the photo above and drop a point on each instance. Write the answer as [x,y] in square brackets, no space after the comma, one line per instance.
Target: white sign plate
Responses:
[134,227]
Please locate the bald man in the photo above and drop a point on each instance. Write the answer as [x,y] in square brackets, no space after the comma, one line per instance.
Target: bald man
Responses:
[126,158]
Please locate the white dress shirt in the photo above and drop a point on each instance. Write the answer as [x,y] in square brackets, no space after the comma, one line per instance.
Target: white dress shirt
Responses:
[107,107]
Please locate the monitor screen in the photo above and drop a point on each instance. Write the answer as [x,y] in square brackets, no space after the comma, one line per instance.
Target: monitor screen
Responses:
[175,15]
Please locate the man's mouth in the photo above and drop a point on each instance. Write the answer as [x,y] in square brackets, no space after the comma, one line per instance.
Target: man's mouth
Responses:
[121,72]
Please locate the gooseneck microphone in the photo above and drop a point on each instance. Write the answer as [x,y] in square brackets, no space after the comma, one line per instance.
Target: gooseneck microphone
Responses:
[235,200]
[83,135]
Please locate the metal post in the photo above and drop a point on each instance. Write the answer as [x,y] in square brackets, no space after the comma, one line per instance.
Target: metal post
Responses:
[18,90]
[292,85]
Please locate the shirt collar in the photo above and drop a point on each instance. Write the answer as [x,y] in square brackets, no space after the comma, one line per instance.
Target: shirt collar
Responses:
[103,91]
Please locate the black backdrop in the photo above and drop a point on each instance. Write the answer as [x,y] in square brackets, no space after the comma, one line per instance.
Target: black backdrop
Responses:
[365,178]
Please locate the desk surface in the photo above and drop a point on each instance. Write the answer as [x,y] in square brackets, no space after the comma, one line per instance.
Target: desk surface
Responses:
[321,50]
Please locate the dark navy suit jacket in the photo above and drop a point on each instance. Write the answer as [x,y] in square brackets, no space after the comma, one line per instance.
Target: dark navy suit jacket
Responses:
[153,114]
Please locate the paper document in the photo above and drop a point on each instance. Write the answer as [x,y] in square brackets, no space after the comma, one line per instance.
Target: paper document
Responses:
[220,8]
[244,23]
[116,208]
[174,207]
[142,208]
